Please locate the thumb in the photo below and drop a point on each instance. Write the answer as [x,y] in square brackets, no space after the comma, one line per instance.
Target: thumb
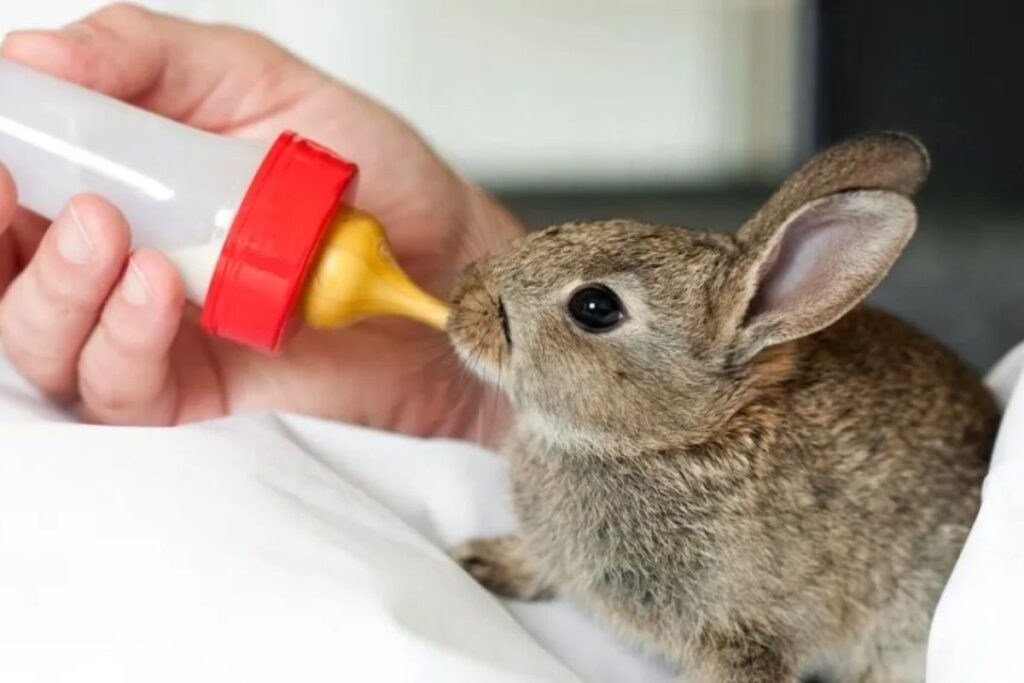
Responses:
[203,75]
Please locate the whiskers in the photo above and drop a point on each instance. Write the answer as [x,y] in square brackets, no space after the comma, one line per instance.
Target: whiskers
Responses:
[458,386]
[497,393]
[486,358]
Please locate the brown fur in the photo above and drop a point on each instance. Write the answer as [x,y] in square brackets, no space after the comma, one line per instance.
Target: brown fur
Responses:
[756,492]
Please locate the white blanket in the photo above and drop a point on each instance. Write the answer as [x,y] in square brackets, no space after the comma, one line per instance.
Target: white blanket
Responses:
[979,624]
[262,548]
[279,548]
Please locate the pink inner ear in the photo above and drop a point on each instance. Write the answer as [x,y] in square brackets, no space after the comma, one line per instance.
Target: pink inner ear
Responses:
[806,261]
[829,256]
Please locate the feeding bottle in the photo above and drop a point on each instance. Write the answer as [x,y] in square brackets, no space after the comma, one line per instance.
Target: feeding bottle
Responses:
[258,230]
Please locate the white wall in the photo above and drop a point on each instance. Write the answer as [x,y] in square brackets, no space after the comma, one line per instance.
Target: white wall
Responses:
[551,91]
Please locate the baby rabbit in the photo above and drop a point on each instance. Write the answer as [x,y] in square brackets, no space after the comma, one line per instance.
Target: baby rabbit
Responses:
[717,451]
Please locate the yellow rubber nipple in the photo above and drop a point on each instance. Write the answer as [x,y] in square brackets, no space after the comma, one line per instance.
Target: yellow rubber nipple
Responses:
[355,276]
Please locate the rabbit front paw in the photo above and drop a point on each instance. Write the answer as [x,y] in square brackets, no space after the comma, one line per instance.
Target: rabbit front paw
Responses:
[500,565]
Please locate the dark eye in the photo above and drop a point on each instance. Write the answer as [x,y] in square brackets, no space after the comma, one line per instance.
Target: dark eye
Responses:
[595,308]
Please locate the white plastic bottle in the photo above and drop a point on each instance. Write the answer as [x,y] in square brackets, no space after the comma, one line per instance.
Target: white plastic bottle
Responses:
[241,219]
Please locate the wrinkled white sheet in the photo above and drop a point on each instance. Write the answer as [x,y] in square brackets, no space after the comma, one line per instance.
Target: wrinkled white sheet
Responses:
[978,628]
[270,548]
[261,548]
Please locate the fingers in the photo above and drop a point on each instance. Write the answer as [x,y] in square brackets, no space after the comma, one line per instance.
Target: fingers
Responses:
[194,72]
[83,319]
[8,205]
[50,309]
[124,372]
[20,231]
[27,230]
[8,198]
[121,50]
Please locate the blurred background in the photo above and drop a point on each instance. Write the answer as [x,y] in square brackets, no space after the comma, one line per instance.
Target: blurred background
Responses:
[688,111]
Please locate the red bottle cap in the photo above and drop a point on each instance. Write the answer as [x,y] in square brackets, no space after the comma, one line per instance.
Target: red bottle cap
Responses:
[262,267]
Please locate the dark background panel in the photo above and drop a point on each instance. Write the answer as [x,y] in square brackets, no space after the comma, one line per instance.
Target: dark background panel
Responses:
[948,70]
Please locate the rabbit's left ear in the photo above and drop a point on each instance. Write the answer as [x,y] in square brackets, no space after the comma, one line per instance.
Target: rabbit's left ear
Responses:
[822,261]
[823,241]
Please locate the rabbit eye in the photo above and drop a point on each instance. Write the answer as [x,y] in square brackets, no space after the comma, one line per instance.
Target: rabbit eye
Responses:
[596,308]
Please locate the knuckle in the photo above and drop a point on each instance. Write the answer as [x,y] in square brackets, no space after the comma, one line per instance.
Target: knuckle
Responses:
[239,36]
[120,11]
[100,390]
[20,330]
[115,377]
[99,383]
[116,339]
[62,297]
[43,366]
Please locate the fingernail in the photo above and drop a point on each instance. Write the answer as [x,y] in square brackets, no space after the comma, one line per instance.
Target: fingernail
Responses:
[134,286]
[73,240]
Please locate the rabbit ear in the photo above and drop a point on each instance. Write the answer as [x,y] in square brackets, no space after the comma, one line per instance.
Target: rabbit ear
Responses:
[817,265]
[890,161]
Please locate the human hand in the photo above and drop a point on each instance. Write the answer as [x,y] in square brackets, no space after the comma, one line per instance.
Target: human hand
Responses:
[91,322]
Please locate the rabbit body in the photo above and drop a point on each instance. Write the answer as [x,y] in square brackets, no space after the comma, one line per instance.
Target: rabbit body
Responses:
[757,481]
[813,526]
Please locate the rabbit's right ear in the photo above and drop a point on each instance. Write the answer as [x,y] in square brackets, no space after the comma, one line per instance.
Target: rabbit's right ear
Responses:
[891,161]
[823,241]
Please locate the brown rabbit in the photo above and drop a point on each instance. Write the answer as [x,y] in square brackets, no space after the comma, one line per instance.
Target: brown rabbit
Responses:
[716,450]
